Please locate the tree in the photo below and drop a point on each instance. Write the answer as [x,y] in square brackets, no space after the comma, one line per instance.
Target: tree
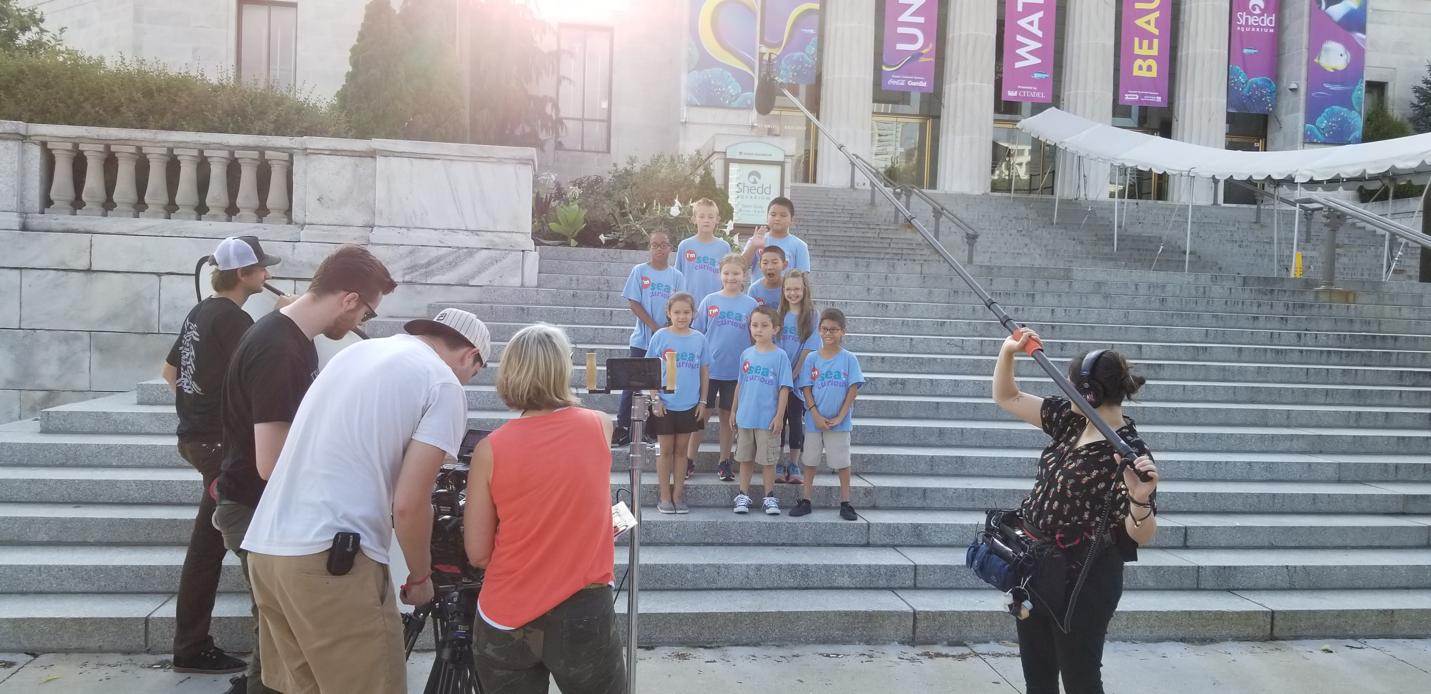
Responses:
[22,30]
[402,78]
[375,93]
[1382,124]
[1421,103]
[508,65]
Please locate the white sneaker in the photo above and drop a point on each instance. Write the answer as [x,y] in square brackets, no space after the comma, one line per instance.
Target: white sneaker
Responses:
[742,503]
[772,506]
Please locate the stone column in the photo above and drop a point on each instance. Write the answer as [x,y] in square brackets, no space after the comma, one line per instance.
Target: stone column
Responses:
[966,127]
[62,185]
[156,191]
[846,86]
[217,199]
[94,193]
[247,201]
[1287,125]
[186,198]
[1200,98]
[126,189]
[277,203]
[1087,88]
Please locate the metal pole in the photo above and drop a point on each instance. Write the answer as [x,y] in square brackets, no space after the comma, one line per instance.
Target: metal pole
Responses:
[1115,213]
[1276,206]
[1296,230]
[1188,244]
[639,450]
[1333,221]
[1055,202]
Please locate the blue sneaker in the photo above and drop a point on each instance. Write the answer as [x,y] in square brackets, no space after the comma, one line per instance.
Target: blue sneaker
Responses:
[794,475]
[780,473]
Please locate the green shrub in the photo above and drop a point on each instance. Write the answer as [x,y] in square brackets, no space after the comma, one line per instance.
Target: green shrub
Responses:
[1382,124]
[630,202]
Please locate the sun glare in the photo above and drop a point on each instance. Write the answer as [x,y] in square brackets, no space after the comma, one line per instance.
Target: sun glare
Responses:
[567,10]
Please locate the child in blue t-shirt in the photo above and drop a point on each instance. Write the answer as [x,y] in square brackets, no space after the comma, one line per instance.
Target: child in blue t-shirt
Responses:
[760,394]
[698,257]
[767,290]
[724,317]
[830,379]
[798,337]
[779,216]
[676,418]
[648,287]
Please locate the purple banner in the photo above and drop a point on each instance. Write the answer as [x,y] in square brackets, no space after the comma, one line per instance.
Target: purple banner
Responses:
[1028,50]
[791,31]
[1336,64]
[1143,69]
[910,29]
[1252,56]
[720,59]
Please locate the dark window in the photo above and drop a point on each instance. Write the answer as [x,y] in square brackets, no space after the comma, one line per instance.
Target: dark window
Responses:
[584,90]
[1375,96]
[268,42]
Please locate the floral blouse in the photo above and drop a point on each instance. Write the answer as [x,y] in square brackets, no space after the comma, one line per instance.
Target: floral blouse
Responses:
[1072,482]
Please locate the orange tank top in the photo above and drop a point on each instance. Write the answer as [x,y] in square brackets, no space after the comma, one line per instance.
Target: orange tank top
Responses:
[551,484]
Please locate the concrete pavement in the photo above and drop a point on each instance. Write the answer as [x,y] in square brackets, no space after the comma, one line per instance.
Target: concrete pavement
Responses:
[1263,667]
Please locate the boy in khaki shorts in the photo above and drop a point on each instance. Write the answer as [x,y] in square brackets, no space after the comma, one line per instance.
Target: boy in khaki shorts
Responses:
[830,379]
[760,390]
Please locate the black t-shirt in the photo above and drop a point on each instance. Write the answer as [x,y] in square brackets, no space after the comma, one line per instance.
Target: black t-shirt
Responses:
[270,372]
[201,353]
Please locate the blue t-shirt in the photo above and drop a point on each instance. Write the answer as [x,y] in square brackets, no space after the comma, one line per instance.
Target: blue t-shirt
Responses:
[691,355]
[790,339]
[726,323]
[831,380]
[700,263]
[763,296]
[651,288]
[761,376]
[797,252]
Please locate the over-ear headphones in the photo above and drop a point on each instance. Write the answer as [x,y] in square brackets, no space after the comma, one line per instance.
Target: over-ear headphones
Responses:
[1090,387]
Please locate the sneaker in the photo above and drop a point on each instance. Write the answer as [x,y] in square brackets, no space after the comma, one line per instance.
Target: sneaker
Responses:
[793,475]
[666,507]
[238,685]
[620,437]
[780,473]
[690,468]
[847,511]
[211,662]
[771,505]
[724,472]
[681,507]
[742,503]
[647,436]
[802,508]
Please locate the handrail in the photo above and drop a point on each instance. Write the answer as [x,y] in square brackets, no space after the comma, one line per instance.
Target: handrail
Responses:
[1262,192]
[1401,231]
[971,235]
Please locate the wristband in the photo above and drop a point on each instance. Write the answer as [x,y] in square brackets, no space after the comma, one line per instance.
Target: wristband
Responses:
[413,584]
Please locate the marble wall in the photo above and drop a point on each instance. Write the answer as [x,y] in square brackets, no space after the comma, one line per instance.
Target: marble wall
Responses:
[90,305]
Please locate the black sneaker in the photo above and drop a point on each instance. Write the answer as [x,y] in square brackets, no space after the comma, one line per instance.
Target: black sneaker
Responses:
[238,685]
[211,662]
[647,436]
[725,472]
[802,508]
[620,437]
[847,511]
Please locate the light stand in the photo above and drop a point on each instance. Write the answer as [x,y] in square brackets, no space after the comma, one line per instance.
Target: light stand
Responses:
[641,376]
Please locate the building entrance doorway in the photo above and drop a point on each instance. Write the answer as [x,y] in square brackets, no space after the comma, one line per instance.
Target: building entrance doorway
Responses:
[900,148]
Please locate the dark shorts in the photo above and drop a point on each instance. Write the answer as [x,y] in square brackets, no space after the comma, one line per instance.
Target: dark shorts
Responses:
[577,643]
[720,393]
[682,422]
[794,431]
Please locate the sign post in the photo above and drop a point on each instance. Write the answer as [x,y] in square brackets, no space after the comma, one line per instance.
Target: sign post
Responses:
[754,175]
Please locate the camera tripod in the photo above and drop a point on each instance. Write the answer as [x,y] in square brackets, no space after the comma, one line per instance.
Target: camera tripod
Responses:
[453,611]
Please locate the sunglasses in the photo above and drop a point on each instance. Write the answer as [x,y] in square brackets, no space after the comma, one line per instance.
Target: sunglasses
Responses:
[371,314]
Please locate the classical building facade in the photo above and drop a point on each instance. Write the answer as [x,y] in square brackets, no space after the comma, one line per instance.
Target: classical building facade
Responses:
[624,89]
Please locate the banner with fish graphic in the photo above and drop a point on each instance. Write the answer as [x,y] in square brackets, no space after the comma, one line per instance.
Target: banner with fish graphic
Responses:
[720,58]
[791,32]
[1336,67]
[1029,29]
[1252,56]
[1145,49]
[911,28]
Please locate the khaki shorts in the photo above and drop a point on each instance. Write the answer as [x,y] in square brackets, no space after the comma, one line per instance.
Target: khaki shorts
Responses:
[323,633]
[757,445]
[835,444]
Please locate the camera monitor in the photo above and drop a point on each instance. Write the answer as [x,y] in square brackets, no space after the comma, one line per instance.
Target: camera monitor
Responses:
[633,374]
[469,443]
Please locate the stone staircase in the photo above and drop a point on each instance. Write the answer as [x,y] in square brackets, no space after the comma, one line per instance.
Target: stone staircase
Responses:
[1291,433]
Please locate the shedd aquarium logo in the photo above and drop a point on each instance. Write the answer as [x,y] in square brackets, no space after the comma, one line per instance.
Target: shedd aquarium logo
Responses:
[754,184]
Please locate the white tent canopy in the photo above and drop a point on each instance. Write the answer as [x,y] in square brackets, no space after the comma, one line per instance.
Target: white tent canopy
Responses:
[1105,143]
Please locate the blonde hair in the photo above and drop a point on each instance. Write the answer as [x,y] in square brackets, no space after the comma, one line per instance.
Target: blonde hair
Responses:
[806,325]
[733,259]
[535,372]
[704,202]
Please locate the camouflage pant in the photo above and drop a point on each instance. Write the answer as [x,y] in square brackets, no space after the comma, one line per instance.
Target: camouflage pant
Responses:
[576,644]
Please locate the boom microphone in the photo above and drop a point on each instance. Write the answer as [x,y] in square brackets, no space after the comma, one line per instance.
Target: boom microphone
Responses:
[765,90]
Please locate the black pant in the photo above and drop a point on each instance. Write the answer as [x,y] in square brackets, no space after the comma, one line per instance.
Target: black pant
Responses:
[1047,652]
[199,580]
[576,643]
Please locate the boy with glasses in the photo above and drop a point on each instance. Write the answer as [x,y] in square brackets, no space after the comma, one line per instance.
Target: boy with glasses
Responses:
[648,287]
[830,380]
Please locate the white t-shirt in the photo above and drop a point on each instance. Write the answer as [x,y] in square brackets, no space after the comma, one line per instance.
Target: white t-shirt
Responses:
[340,464]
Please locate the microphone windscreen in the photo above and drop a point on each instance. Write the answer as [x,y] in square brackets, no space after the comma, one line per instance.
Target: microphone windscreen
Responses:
[765,90]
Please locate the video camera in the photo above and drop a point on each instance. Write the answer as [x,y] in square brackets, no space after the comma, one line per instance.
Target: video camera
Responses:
[450,568]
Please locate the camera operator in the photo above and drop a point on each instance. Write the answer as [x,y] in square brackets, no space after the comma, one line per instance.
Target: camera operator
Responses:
[359,463]
[269,373]
[546,602]
[195,371]
[1073,481]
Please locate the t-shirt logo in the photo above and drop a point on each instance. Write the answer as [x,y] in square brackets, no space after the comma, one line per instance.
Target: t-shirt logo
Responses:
[759,301]
[668,351]
[814,374]
[759,250]
[745,367]
[713,311]
[690,255]
[645,282]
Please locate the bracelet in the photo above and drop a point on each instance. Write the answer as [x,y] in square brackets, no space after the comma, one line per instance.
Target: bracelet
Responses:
[1138,522]
[1140,504]
[413,584]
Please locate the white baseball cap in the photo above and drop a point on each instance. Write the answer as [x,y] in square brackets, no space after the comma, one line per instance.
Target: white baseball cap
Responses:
[237,252]
[453,320]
